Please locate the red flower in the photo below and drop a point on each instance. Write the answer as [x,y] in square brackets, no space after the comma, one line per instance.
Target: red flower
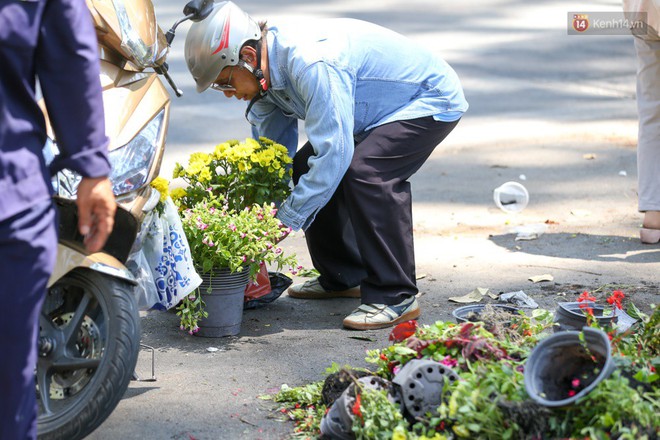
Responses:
[382,357]
[571,393]
[403,331]
[586,297]
[616,298]
[356,406]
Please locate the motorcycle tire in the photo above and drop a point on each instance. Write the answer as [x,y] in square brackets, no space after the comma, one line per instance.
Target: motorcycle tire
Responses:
[88,348]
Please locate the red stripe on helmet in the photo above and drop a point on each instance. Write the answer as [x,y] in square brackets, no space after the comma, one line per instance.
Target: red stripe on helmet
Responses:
[224,38]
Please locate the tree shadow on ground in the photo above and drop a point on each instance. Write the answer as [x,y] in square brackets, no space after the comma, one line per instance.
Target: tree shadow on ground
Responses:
[605,248]
[161,329]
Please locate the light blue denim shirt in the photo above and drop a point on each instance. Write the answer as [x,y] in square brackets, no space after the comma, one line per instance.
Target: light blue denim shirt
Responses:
[344,77]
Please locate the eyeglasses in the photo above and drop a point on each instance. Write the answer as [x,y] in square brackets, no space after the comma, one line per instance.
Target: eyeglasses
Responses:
[226,87]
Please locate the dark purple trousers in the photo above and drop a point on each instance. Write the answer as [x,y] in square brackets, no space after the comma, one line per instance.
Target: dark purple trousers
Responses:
[364,234]
[28,248]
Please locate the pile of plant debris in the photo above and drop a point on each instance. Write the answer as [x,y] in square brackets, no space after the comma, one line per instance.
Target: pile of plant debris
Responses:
[489,399]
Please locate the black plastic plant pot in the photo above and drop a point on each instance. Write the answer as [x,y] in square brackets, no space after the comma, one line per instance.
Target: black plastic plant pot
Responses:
[570,316]
[472,312]
[563,368]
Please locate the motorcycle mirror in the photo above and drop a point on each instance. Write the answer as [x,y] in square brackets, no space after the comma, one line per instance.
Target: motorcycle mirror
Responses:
[195,10]
[199,9]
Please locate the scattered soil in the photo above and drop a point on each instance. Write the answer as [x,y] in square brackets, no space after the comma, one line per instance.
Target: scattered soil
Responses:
[497,320]
[336,383]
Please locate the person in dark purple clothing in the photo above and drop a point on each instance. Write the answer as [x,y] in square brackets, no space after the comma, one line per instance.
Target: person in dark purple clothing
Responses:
[53,41]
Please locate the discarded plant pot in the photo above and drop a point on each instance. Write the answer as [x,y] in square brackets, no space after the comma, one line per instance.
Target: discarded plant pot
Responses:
[570,316]
[224,295]
[421,382]
[472,312]
[511,197]
[338,421]
[561,368]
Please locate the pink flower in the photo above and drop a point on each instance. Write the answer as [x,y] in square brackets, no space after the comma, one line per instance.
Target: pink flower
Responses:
[273,212]
[244,258]
[575,383]
[449,361]
[232,227]
[243,234]
[396,369]
[260,217]
[278,250]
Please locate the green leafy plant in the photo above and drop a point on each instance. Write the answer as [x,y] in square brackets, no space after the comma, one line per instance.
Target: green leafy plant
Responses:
[490,400]
[220,237]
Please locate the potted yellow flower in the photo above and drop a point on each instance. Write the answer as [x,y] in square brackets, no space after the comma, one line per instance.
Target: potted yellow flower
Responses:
[228,214]
[242,173]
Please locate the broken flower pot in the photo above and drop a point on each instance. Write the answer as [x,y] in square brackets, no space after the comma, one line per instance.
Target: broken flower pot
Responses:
[573,316]
[562,368]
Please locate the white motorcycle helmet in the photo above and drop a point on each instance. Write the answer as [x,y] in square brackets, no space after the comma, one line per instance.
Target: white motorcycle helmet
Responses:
[215,42]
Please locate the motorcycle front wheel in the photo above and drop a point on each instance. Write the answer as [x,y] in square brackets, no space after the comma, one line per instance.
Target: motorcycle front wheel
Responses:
[88,347]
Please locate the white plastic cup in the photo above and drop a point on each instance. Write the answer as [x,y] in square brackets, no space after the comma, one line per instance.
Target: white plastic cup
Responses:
[511,197]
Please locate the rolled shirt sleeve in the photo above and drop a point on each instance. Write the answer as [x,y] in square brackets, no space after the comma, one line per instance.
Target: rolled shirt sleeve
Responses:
[73,94]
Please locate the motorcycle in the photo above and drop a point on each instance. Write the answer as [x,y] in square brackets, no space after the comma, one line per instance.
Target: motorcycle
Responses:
[89,324]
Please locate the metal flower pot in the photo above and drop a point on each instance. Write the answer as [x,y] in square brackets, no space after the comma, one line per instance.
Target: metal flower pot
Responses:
[223,293]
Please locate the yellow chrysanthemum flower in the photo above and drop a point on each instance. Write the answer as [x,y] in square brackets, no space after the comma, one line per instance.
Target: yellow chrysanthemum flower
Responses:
[204,175]
[178,193]
[162,186]
[197,162]
[220,150]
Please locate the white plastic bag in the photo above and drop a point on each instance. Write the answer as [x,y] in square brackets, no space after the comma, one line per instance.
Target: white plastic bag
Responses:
[145,292]
[168,254]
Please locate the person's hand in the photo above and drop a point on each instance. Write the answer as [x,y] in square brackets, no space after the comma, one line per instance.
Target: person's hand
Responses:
[96,211]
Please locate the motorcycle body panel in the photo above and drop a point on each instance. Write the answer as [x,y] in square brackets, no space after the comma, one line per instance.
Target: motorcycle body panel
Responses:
[71,258]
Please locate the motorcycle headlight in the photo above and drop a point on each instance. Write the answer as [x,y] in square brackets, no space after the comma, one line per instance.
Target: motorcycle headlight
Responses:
[131,163]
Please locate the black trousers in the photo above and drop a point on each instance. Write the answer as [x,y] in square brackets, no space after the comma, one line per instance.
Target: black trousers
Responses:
[364,235]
